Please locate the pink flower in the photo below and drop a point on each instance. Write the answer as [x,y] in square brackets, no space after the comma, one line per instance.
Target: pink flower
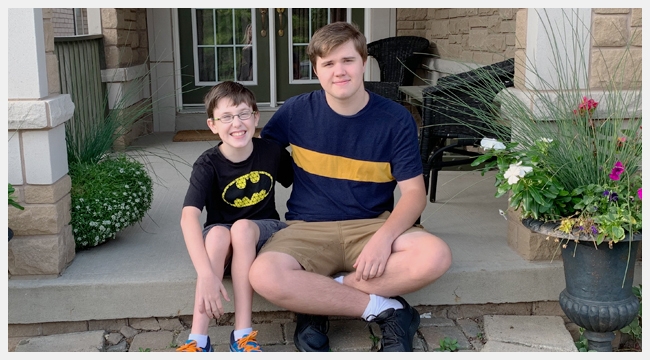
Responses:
[617,171]
[638,192]
[587,106]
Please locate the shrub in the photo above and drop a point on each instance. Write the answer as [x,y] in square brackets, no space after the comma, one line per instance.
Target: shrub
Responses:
[107,196]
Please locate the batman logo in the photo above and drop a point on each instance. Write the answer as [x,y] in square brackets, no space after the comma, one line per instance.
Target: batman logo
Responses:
[248,190]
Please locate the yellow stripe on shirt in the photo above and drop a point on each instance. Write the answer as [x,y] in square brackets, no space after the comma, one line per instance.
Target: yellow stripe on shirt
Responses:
[339,167]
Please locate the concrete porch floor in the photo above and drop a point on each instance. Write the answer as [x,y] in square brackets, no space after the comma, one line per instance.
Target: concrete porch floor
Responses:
[146,271]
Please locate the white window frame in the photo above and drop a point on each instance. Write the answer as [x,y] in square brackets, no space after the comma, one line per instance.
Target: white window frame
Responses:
[292,81]
[195,49]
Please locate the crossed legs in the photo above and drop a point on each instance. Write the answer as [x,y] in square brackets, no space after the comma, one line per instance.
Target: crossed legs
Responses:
[417,259]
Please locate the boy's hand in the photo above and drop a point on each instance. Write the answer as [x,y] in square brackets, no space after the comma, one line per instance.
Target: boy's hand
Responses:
[208,296]
[372,260]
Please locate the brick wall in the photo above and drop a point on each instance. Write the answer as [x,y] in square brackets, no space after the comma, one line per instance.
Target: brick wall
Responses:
[64,24]
[481,36]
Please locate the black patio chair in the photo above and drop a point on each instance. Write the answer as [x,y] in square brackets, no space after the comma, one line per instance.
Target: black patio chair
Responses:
[450,121]
[397,59]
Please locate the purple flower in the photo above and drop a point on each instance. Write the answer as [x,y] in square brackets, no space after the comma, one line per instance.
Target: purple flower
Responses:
[617,171]
[613,197]
[606,193]
[638,192]
[582,228]
[594,230]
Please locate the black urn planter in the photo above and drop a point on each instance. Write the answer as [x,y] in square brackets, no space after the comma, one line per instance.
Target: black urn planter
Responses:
[598,294]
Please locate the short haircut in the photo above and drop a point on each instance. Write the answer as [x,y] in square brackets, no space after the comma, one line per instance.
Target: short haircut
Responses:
[236,92]
[333,35]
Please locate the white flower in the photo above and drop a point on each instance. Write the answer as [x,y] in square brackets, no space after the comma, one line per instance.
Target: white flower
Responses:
[546,140]
[516,172]
[488,143]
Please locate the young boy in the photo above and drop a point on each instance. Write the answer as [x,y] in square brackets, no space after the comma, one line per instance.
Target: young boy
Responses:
[234,181]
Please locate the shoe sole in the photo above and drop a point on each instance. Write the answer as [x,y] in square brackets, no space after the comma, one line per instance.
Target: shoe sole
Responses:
[301,349]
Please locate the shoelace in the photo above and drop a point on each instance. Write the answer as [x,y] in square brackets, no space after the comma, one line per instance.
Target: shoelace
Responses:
[243,343]
[190,347]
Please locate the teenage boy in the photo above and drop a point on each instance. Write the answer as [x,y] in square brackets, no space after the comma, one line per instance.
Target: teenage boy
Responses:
[351,148]
[235,182]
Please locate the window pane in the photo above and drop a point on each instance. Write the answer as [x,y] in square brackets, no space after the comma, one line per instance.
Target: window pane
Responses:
[245,61]
[205,27]
[206,64]
[300,25]
[224,27]
[301,64]
[338,15]
[243,27]
[318,19]
[225,63]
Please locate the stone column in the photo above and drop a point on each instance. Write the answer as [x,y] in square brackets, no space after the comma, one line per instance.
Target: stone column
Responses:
[37,160]
[127,68]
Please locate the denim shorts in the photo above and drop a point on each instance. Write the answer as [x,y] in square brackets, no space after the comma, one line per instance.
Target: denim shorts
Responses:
[267,227]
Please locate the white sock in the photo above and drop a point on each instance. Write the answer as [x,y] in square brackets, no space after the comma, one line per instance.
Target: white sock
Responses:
[201,340]
[238,334]
[339,279]
[377,304]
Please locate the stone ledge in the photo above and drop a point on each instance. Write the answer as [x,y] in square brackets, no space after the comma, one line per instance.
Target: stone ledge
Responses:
[48,112]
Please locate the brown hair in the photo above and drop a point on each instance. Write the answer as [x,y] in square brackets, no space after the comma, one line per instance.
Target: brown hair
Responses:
[236,92]
[333,35]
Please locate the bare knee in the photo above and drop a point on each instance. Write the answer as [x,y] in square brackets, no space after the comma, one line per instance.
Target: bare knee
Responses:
[429,258]
[262,274]
[244,233]
[217,241]
[439,259]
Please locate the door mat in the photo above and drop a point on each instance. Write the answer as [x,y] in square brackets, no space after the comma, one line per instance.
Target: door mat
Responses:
[200,135]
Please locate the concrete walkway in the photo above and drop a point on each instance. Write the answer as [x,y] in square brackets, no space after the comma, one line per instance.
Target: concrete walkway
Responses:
[496,333]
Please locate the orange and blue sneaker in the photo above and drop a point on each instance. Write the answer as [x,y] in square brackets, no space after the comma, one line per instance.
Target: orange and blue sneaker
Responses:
[246,344]
[190,346]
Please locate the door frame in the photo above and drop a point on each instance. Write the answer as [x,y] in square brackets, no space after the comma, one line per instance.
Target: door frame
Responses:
[375,28]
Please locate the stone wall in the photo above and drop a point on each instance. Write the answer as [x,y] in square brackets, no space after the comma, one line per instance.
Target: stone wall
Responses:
[125,37]
[616,36]
[126,48]
[481,36]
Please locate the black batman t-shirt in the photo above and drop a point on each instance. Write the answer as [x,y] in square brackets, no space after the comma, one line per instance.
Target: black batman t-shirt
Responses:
[246,190]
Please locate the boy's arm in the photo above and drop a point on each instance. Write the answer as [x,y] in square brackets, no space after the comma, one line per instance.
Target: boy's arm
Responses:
[208,285]
[285,172]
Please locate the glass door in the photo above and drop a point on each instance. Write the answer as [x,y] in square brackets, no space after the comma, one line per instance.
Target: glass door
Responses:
[236,44]
[295,28]
[222,44]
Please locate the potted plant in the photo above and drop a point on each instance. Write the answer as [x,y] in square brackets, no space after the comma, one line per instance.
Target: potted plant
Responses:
[14,203]
[568,156]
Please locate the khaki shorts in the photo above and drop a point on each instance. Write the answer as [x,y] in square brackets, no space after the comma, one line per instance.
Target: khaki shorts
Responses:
[326,247]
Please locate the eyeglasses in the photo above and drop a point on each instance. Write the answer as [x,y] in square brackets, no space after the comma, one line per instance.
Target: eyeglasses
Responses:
[244,115]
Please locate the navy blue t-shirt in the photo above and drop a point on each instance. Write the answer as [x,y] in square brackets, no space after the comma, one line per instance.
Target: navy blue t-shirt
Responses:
[345,167]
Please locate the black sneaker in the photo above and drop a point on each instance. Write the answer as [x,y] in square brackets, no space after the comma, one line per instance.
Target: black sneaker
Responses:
[398,327]
[311,333]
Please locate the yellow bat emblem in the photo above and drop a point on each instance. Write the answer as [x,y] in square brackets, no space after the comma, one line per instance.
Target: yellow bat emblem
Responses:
[248,190]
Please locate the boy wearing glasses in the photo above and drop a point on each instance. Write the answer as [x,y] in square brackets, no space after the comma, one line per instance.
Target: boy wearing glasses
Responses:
[235,182]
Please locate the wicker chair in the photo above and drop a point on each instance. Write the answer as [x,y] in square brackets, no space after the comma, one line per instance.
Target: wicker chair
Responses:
[448,128]
[397,62]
